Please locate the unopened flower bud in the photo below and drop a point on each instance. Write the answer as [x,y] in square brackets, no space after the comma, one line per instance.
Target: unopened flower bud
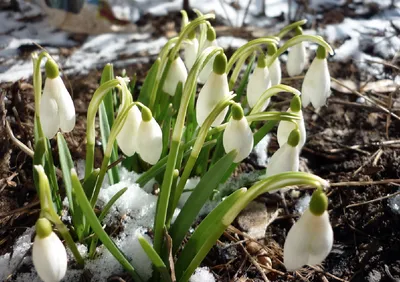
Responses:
[176,73]
[259,82]
[317,81]
[48,253]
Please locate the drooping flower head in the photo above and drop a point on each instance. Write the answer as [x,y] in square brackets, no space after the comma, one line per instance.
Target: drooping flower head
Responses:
[210,41]
[48,253]
[275,71]
[316,86]
[176,73]
[310,239]
[149,138]
[214,90]
[191,50]
[259,81]
[286,127]
[297,57]
[126,138]
[238,135]
[56,107]
[286,158]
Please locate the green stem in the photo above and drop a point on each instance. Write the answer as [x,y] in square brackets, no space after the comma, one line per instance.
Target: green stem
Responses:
[288,28]
[270,184]
[94,105]
[163,199]
[196,150]
[296,40]
[271,92]
[248,47]
[238,67]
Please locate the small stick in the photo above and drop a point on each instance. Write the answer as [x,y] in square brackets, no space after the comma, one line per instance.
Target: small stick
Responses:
[374,200]
[364,183]
[18,143]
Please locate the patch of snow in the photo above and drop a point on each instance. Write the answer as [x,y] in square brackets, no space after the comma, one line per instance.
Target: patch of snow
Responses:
[231,42]
[261,151]
[394,204]
[302,204]
[202,274]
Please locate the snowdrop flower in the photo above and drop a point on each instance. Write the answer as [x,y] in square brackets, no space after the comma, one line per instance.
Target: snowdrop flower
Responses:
[214,90]
[287,156]
[149,138]
[237,135]
[275,71]
[317,81]
[191,49]
[285,127]
[48,253]
[259,81]
[126,138]
[210,41]
[297,57]
[310,239]
[56,107]
[176,73]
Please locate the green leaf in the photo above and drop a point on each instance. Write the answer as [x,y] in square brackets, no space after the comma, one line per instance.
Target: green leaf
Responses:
[40,149]
[97,228]
[245,79]
[155,259]
[198,198]
[90,183]
[106,119]
[204,237]
[103,214]
[51,172]
[144,95]
[67,164]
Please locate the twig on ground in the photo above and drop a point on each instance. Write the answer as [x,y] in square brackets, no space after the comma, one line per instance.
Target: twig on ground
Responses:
[18,143]
[374,200]
[327,274]
[364,183]
[367,161]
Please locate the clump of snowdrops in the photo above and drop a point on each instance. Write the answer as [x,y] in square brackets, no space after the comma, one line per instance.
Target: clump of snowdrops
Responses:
[169,133]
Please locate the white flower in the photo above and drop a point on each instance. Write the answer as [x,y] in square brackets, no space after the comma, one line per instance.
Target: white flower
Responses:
[275,72]
[56,108]
[176,73]
[316,84]
[214,90]
[49,258]
[286,158]
[238,136]
[259,81]
[206,71]
[285,127]
[190,50]
[126,138]
[296,59]
[309,241]
[149,141]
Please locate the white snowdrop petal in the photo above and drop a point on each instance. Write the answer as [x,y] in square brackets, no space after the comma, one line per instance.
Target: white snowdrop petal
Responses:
[296,59]
[49,117]
[322,244]
[126,138]
[316,84]
[238,136]
[190,51]
[309,241]
[176,73]
[207,70]
[286,158]
[259,81]
[66,110]
[214,90]
[149,141]
[49,258]
[286,127]
[275,72]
